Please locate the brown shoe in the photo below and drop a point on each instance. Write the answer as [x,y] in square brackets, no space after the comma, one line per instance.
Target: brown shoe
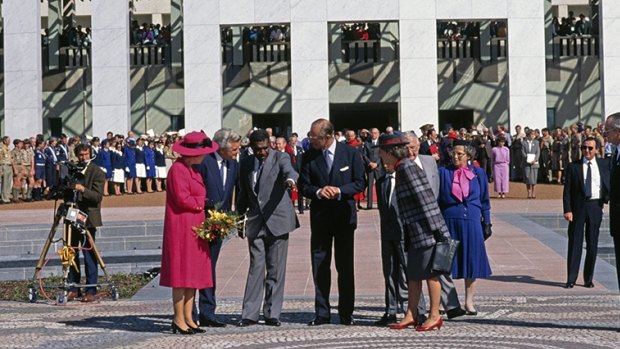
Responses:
[72,295]
[88,298]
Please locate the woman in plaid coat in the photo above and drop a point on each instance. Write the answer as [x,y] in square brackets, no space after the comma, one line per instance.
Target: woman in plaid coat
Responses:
[422,222]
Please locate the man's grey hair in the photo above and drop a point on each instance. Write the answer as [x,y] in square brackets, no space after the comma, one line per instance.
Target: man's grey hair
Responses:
[615,120]
[225,136]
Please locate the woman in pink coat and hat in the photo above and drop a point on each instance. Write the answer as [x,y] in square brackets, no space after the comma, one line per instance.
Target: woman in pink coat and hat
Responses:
[185,260]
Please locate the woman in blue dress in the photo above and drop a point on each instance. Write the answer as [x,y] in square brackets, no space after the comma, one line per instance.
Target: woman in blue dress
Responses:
[149,161]
[129,154]
[105,164]
[118,166]
[464,203]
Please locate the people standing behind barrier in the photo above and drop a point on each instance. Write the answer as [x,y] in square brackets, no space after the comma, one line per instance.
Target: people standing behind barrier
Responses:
[105,161]
[161,171]
[186,259]
[149,162]
[531,156]
[140,165]
[39,170]
[118,166]
[129,155]
[501,167]
[465,206]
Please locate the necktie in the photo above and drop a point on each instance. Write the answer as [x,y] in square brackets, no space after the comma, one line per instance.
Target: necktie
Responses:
[223,172]
[589,181]
[390,190]
[328,160]
[258,174]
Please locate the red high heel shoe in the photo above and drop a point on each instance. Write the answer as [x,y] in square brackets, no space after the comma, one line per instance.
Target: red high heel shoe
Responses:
[437,325]
[403,326]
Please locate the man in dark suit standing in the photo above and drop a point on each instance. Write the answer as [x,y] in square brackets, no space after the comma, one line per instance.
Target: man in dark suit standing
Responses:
[219,174]
[612,132]
[586,190]
[331,174]
[374,167]
[264,180]
[90,195]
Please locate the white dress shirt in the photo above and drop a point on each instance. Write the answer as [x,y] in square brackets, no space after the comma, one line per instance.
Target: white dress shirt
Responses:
[596,177]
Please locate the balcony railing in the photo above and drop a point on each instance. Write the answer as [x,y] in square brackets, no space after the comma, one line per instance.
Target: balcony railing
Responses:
[469,48]
[258,52]
[361,51]
[75,57]
[575,46]
[79,57]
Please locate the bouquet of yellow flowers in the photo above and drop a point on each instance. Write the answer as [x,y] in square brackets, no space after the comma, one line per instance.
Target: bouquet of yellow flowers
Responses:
[219,225]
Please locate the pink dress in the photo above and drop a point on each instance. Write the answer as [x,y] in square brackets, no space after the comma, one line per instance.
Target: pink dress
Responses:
[501,161]
[185,259]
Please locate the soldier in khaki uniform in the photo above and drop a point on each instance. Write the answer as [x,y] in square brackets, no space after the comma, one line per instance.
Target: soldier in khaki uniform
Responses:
[19,170]
[6,169]
[28,151]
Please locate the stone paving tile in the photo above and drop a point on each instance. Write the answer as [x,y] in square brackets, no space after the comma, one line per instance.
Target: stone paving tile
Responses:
[555,321]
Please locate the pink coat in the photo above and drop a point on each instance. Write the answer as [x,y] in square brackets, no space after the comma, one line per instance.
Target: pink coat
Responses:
[185,259]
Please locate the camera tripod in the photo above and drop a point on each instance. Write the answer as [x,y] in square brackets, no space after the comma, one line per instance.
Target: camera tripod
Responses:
[73,222]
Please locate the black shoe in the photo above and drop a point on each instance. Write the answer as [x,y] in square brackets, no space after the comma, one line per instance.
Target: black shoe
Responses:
[317,321]
[273,322]
[197,329]
[589,284]
[456,312]
[176,328]
[385,320]
[210,323]
[246,323]
[347,321]
[569,285]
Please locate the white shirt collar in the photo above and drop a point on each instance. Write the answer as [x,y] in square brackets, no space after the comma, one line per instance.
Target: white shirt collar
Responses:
[218,157]
[332,148]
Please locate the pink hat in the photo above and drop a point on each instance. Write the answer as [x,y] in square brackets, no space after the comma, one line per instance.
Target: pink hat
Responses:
[194,144]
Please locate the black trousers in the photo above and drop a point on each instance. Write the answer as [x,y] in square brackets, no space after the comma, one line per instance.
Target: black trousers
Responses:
[590,218]
[617,251]
[90,261]
[323,237]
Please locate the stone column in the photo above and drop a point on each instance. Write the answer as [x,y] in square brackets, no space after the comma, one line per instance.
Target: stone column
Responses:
[485,41]
[526,63]
[548,30]
[419,101]
[176,32]
[202,65]
[309,63]
[237,45]
[22,69]
[110,67]
[609,18]
[54,28]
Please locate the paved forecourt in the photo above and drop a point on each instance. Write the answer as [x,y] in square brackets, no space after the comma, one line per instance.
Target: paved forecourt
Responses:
[521,305]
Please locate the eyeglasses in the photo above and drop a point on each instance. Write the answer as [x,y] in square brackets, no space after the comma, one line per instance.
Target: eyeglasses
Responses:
[583,147]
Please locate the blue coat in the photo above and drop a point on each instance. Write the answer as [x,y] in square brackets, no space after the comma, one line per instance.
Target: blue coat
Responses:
[149,160]
[129,154]
[218,195]
[106,161]
[475,206]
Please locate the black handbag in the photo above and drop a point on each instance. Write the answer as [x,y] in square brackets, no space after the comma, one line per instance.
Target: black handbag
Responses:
[443,255]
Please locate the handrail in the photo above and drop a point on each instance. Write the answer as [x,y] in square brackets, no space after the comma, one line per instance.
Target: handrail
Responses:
[575,46]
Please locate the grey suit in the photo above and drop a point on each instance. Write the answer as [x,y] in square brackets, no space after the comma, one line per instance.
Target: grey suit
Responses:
[271,216]
[449,297]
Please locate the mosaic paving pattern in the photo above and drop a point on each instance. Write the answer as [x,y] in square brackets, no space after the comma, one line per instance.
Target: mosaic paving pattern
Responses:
[583,321]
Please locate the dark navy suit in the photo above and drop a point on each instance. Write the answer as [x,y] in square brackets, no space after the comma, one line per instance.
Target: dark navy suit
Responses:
[586,212]
[219,196]
[333,222]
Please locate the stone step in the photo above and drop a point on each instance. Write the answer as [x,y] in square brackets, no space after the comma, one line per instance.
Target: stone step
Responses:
[40,232]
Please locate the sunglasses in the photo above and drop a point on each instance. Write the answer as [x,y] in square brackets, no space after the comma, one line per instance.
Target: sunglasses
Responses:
[587,148]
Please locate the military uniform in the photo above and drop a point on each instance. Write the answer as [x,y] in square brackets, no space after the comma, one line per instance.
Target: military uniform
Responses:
[6,169]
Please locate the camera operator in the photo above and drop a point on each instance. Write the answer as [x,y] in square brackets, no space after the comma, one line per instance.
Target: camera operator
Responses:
[89,189]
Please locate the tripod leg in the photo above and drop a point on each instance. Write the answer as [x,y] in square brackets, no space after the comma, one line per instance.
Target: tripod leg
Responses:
[47,245]
[93,247]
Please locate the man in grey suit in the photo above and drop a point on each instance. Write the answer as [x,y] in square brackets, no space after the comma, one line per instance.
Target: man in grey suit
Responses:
[264,178]
[449,297]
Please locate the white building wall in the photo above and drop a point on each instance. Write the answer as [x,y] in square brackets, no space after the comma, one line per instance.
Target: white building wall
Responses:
[23,101]
[110,67]
[610,56]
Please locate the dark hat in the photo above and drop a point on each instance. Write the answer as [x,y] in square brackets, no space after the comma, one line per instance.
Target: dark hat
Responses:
[195,144]
[426,127]
[104,142]
[395,138]
[131,141]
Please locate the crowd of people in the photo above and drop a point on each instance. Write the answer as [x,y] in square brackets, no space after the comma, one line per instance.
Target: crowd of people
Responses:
[568,26]
[149,34]
[430,187]
[35,166]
